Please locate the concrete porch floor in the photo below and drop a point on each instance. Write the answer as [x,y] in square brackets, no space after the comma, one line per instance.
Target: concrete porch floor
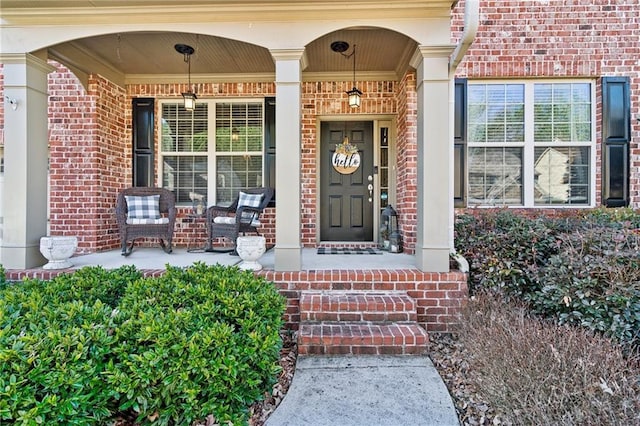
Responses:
[154,258]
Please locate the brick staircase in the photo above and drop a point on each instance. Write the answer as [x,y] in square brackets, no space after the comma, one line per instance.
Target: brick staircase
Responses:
[358,323]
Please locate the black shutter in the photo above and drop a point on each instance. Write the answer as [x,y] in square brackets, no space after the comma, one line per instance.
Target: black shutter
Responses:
[270,145]
[459,141]
[616,137]
[143,121]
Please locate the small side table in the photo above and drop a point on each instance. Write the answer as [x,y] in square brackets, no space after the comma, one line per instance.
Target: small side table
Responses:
[195,220]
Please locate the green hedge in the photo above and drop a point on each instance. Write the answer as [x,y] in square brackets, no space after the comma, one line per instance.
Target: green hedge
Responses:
[86,347]
[579,267]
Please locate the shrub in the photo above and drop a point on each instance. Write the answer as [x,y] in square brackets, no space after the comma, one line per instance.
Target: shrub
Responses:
[503,248]
[197,341]
[533,372]
[580,268]
[85,347]
[53,350]
[595,283]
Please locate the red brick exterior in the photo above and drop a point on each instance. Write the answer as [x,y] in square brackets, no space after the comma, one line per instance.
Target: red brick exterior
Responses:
[91,151]
[328,99]
[438,297]
[90,131]
[186,232]
[560,39]
[87,142]
[407,161]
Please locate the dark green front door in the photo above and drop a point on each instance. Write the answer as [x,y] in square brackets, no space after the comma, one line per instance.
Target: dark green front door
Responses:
[346,207]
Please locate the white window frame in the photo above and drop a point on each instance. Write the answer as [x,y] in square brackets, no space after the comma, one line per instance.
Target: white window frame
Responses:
[528,146]
[211,152]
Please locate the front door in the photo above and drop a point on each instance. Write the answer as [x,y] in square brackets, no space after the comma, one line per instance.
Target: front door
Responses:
[346,203]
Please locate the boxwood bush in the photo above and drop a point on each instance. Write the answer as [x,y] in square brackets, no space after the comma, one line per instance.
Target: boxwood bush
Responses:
[579,268]
[91,346]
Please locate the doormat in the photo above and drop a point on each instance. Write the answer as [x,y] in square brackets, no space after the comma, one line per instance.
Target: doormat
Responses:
[348,250]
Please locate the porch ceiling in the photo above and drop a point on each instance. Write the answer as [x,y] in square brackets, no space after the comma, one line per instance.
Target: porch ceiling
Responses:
[145,56]
[139,54]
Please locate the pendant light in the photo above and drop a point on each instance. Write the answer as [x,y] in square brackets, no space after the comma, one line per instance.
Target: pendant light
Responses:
[188,96]
[354,94]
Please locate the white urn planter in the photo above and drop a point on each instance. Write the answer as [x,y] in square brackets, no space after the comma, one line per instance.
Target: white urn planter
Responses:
[58,250]
[250,249]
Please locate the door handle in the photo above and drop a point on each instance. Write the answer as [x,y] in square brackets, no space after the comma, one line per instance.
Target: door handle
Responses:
[370,188]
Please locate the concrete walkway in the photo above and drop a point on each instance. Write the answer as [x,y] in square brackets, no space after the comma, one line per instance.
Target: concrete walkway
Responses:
[365,391]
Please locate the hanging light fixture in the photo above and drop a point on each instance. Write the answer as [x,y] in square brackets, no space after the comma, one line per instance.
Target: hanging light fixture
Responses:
[354,94]
[189,96]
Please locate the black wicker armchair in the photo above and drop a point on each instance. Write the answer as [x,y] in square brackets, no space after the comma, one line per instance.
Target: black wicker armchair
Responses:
[152,214]
[241,217]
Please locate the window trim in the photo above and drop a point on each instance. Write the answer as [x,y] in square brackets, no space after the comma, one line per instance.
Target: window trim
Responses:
[529,145]
[211,152]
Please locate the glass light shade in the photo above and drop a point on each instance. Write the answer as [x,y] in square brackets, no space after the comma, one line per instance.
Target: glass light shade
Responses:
[189,101]
[354,97]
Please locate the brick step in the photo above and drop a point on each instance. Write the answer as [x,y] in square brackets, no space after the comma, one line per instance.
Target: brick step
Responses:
[369,307]
[362,339]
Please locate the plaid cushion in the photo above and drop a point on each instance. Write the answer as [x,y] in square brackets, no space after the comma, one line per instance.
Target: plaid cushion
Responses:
[161,221]
[143,207]
[250,200]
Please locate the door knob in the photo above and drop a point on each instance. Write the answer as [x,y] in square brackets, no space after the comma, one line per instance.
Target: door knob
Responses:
[370,188]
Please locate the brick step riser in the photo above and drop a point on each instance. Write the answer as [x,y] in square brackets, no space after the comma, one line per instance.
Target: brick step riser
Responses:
[370,307]
[360,350]
[366,317]
[360,339]
[360,323]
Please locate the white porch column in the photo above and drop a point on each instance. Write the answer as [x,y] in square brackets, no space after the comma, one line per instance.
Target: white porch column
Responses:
[26,152]
[435,157]
[289,65]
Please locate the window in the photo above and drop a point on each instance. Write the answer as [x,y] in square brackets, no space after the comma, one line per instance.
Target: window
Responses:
[218,139]
[530,143]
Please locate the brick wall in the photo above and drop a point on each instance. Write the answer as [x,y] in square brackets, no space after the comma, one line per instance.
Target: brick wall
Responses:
[558,39]
[90,148]
[439,297]
[327,99]
[407,161]
[188,233]
[90,154]
[86,142]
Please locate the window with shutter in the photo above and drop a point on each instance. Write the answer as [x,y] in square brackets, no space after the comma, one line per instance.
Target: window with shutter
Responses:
[215,151]
[530,143]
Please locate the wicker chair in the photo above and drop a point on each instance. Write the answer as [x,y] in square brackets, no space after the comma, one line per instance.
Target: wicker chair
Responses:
[229,222]
[131,229]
